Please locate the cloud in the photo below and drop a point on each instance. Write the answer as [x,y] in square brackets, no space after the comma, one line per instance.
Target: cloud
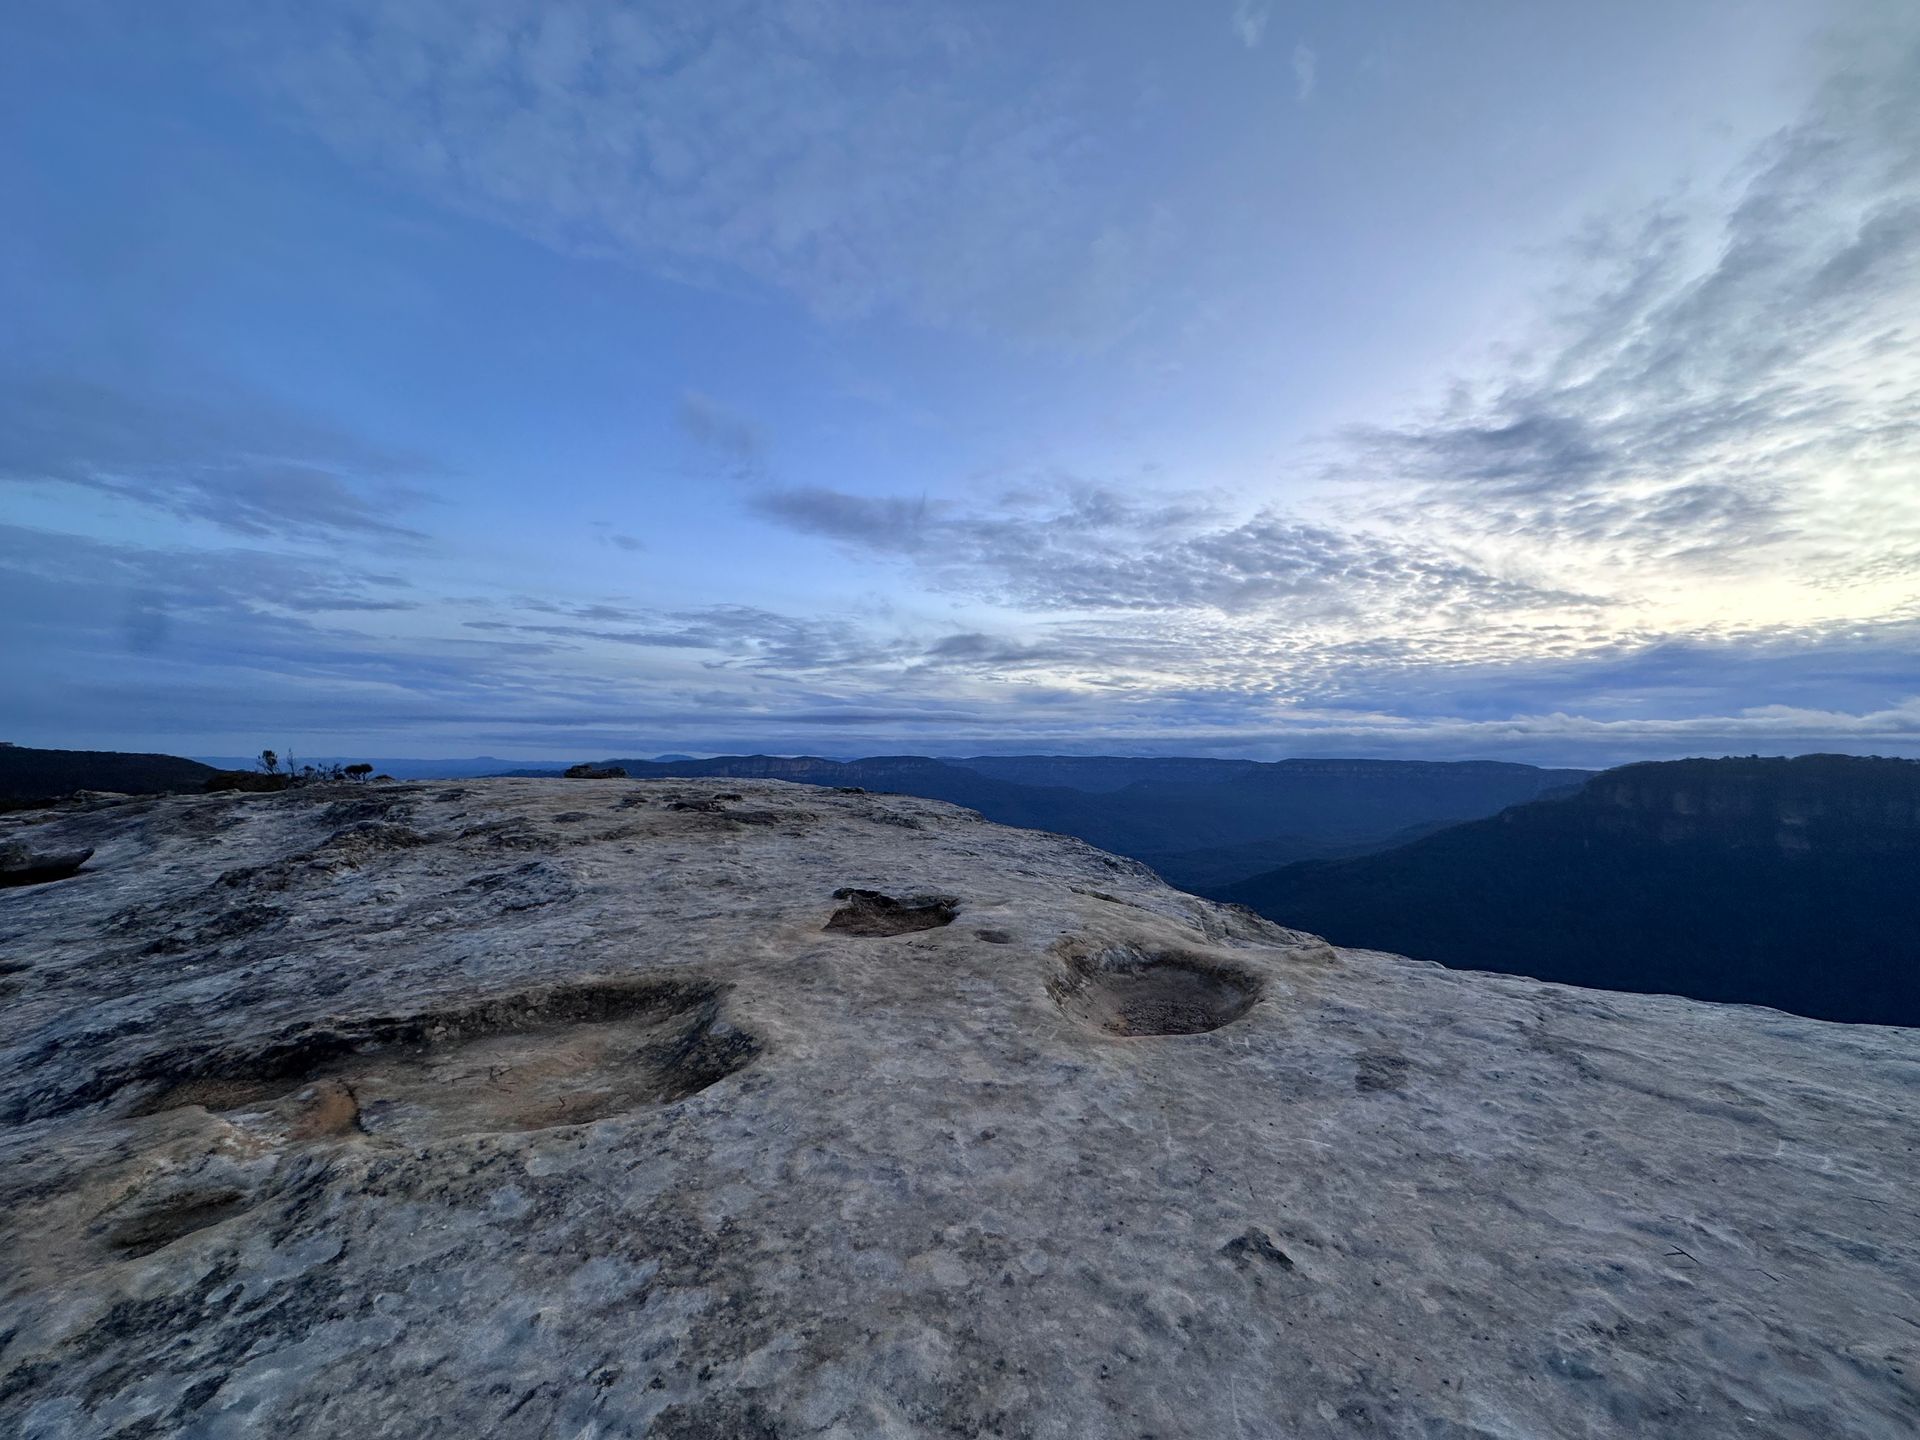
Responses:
[740,635]
[1092,548]
[724,433]
[1687,512]
[1306,69]
[1727,389]
[1250,20]
[247,467]
[899,158]
[974,648]
[231,583]
[238,646]
[884,522]
[1685,515]
[255,647]
[607,535]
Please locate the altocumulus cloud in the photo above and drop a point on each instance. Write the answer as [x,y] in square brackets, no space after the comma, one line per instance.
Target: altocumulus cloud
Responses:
[235,643]
[1735,391]
[1094,548]
[1728,392]
[1704,485]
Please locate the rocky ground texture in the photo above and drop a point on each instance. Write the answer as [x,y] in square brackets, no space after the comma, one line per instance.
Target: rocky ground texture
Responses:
[599,1108]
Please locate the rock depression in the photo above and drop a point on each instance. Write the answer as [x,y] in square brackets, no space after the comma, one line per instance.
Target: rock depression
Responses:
[600,1108]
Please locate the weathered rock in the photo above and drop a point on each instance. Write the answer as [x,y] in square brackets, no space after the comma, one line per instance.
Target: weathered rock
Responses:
[868,912]
[23,865]
[493,1110]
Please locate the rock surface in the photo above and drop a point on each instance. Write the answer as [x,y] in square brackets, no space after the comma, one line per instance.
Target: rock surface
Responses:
[23,865]
[525,1108]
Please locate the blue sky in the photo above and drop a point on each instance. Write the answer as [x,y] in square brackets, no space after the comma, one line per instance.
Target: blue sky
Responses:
[557,379]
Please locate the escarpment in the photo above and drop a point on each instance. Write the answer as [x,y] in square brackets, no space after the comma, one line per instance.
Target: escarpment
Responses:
[684,1108]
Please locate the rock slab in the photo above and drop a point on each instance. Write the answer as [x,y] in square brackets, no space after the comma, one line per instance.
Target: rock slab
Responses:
[523,1108]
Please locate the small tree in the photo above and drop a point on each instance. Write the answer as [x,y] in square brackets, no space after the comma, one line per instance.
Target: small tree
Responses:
[269,762]
[359,771]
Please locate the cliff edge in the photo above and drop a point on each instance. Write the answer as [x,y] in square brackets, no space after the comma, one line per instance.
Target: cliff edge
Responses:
[747,1109]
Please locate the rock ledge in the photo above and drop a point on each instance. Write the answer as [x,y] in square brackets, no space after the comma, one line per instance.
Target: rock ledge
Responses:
[533,1108]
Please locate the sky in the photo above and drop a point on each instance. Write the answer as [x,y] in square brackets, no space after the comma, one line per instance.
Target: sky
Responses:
[563,378]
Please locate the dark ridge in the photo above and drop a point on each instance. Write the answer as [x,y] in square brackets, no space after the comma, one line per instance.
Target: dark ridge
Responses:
[1788,883]
[30,777]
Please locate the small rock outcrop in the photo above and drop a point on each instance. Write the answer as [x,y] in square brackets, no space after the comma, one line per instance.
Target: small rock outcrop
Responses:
[518,1108]
[869,912]
[585,771]
[23,865]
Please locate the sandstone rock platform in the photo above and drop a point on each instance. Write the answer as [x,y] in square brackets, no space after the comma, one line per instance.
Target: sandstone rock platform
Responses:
[589,1108]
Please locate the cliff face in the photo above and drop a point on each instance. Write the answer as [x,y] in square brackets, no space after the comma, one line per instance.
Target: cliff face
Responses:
[1771,882]
[543,1107]
[1830,804]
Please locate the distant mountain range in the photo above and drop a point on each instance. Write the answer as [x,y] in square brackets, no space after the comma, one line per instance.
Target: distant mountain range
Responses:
[1199,822]
[1790,883]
